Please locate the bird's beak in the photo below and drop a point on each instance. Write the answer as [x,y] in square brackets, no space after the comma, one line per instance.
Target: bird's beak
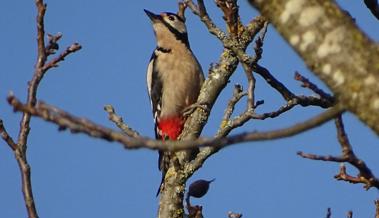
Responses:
[153,17]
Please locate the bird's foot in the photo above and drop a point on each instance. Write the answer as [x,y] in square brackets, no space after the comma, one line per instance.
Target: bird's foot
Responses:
[190,109]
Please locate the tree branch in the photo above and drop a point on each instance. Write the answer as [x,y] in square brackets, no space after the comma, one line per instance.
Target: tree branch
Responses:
[322,158]
[6,137]
[41,67]
[203,14]
[308,84]
[329,213]
[112,116]
[231,16]
[334,48]
[54,63]
[349,214]
[80,125]
[41,58]
[237,95]
[273,82]
[365,175]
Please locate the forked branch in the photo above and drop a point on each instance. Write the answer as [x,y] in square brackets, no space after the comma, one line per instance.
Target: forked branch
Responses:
[365,175]
[41,67]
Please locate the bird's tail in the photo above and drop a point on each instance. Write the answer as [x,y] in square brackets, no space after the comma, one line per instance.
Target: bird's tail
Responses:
[163,166]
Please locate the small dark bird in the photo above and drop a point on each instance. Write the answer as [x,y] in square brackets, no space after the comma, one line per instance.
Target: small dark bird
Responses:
[199,188]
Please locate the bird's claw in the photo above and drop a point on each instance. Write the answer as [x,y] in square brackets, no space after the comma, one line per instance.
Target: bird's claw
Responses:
[190,109]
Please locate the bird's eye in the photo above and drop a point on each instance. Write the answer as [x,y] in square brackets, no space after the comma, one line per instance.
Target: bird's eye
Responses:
[172,18]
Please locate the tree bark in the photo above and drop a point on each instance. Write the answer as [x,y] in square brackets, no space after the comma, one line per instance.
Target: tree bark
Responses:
[334,48]
[171,201]
[171,196]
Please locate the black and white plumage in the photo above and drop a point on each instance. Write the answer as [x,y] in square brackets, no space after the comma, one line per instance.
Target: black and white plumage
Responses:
[174,78]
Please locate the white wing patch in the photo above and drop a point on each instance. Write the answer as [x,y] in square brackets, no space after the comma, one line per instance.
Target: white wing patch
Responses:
[149,77]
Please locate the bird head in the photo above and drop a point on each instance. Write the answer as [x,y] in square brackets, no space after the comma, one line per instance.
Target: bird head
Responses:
[168,28]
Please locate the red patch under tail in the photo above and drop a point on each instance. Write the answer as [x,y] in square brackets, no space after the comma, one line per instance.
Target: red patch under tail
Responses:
[171,127]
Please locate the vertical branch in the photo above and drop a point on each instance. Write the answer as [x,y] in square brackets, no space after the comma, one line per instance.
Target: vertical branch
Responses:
[25,122]
[329,213]
[41,7]
[26,183]
[349,214]
[248,69]
[38,74]
[20,151]
[231,15]
[251,86]
[181,10]
[41,67]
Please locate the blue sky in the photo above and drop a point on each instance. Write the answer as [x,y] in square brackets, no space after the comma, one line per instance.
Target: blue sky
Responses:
[77,176]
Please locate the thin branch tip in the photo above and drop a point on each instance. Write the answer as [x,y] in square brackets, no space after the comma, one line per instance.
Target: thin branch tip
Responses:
[118,120]
[6,137]
[365,176]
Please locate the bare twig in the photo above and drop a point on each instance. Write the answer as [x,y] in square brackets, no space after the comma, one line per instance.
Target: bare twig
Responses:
[228,125]
[365,175]
[6,137]
[26,183]
[41,68]
[373,6]
[79,125]
[250,107]
[321,157]
[288,95]
[201,11]
[250,27]
[25,120]
[329,213]
[284,108]
[237,95]
[376,208]
[349,214]
[231,16]
[251,86]
[249,63]
[259,44]
[274,83]
[308,84]
[41,8]
[181,10]
[342,175]
[54,63]
[119,122]
[194,8]
[206,152]
[234,123]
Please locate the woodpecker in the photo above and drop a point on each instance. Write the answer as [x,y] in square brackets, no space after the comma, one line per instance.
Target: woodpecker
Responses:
[174,78]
